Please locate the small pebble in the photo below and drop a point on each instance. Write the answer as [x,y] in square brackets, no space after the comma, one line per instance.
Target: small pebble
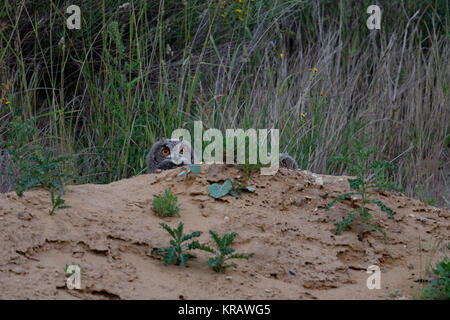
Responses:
[324,195]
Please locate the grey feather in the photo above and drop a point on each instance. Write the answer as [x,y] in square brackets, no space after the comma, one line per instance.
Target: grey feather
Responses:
[287,162]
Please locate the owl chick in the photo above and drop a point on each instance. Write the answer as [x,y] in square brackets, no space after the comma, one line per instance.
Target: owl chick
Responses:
[287,162]
[168,154]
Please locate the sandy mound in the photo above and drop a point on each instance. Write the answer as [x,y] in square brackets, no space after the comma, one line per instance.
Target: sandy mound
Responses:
[110,231]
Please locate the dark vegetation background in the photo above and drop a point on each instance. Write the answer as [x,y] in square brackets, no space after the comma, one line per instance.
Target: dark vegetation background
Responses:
[134,73]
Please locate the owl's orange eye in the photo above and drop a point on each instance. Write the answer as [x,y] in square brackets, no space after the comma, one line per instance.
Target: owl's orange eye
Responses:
[182,151]
[283,164]
[165,151]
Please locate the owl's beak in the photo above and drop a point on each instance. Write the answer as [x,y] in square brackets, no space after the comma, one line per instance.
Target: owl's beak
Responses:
[181,160]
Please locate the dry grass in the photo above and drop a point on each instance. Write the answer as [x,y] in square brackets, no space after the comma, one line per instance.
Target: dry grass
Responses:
[133,75]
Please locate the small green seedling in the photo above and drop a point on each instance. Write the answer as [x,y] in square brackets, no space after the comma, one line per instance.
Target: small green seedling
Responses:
[57,203]
[225,253]
[230,186]
[166,205]
[193,168]
[175,253]
[368,176]
[250,169]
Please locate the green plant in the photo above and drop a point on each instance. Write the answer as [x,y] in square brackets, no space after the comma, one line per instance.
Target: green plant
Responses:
[230,186]
[41,171]
[175,253]
[225,253]
[439,288]
[250,169]
[193,168]
[57,203]
[33,165]
[368,176]
[166,205]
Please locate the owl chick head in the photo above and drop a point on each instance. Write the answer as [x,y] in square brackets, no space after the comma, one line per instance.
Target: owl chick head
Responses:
[287,162]
[168,154]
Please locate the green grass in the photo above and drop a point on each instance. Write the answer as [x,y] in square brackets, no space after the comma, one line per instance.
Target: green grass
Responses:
[166,205]
[106,92]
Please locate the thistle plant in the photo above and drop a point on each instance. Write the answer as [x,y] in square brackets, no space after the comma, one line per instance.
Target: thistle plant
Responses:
[57,203]
[369,176]
[224,253]
[32,164]
[175,253]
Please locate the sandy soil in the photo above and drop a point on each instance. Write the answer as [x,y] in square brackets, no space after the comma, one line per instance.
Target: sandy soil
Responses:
[110,231]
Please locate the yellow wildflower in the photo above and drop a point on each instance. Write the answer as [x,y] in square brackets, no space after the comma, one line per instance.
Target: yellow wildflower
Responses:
[239,10]
[282,55]
[303,115]
[315,69]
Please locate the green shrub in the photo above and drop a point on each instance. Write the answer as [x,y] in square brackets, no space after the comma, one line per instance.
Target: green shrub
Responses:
[439,288]
[166,205]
